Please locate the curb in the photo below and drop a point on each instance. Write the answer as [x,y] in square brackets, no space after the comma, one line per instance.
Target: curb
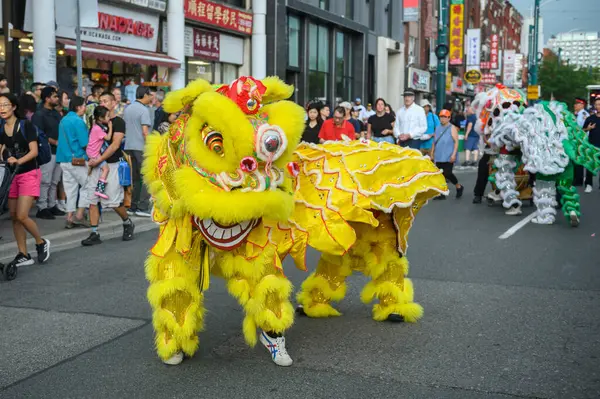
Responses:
[68,239]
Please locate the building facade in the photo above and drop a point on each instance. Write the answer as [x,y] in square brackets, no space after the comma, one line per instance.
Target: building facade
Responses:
[579,48]
[337,50]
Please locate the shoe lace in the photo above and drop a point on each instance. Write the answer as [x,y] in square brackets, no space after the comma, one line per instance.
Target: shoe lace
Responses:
[281,346]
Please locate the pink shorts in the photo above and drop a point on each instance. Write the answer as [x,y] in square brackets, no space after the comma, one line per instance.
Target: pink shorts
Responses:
[26,184]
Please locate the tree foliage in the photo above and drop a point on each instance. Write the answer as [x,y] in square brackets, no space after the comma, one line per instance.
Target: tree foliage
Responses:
[565,82]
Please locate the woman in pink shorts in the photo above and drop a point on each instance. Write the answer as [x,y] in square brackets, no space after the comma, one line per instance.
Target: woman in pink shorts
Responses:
[19,148]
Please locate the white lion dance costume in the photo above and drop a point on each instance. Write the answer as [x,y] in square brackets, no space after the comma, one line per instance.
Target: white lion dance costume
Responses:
[234,196]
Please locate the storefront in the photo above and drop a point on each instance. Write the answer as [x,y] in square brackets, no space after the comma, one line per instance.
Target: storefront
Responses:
[420,82]
[217,41]
[120,52]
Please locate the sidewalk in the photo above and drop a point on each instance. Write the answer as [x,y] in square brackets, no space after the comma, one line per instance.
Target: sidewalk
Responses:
[61,238]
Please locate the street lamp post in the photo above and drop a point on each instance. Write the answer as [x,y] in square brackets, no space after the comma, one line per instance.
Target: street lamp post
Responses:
[534,50]
[441,53]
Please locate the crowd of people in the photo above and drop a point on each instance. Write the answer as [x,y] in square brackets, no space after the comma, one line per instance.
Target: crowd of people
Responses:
[70,158]
[412,125]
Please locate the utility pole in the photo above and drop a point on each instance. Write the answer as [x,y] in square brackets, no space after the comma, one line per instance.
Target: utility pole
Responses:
[534,50]
[558,59]
[441,52]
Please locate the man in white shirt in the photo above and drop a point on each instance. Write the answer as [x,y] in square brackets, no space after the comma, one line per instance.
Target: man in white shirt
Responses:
[580,111]
[411,123]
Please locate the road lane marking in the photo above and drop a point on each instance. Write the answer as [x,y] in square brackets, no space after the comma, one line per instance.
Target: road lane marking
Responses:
[518,226]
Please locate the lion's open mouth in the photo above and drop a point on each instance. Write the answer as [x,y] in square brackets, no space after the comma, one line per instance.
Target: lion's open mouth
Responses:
[225,237]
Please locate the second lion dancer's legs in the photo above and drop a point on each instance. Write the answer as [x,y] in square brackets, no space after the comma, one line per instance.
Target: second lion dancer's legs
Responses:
[506,183]
[387,270]
[264,293]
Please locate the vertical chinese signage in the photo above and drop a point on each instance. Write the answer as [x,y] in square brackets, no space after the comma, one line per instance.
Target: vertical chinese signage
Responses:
[473,48]
[509,68]
[457,29]
[411,10]
[218,15]
[207,44]
[494,52]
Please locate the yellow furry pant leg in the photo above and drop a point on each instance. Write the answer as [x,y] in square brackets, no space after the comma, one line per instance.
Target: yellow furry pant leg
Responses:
[326,284]
[262,290]
[177,303]
[390,286]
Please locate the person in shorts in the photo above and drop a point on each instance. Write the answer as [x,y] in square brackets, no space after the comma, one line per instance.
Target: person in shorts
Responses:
[112,155]
[19,148]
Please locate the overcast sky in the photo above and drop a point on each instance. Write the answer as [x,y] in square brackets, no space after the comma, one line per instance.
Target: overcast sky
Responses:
[564,15]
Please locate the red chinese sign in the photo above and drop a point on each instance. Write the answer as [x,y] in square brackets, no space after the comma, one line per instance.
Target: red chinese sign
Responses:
[129,26]
[207,45]
[218,15]
[494,52]
[457,32]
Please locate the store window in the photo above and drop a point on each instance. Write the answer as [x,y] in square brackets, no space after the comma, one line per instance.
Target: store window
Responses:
[293,41]
[349,9]
[371,14]
[343,67]
[229,73]
[318,61]
[324,5]
[235,3]
[198,69]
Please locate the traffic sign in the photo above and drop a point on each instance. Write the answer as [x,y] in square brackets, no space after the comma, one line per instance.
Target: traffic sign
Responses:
[534,92]
[473,76]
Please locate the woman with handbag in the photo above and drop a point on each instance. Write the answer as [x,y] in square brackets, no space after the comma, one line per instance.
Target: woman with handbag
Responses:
[19,148]
[70,153]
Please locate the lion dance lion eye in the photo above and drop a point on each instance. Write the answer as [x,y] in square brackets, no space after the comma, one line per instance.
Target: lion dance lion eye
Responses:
[214,142]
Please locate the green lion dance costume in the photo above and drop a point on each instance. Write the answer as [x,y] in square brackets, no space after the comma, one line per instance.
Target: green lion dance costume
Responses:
[234,195]
[550,142]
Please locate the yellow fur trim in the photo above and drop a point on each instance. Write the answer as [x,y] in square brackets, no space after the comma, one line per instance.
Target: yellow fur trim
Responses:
[379,289]
[410,311]
[268,320]
[236,129]
[321,310]
[249,330]
[206,201]
[165,347]
[405,265]
[320,284]
[190,346]
[276,90]
[409,292]
[239,289]
[176,100]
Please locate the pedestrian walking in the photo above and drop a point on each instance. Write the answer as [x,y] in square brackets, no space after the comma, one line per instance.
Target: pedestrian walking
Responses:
[47,120]
[445,147]
[71,155]
[411,123]
[432,123]
[137,125]
[18,139]
[471,139]
[380,126]
[114,190]
[592,126]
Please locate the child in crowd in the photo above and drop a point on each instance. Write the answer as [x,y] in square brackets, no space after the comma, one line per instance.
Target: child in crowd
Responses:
[100,135]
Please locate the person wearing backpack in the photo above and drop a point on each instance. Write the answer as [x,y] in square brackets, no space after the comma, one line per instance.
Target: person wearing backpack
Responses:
[19,148]
[47,120]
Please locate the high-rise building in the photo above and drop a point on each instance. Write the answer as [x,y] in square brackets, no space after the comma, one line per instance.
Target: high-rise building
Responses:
[578,48]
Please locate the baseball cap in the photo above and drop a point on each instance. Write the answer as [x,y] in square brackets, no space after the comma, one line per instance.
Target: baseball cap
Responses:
[579,100]
[445,112]
[357,100]
[52,83]
[346,105]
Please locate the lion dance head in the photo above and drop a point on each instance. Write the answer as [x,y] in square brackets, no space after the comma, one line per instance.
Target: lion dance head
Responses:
[230,152]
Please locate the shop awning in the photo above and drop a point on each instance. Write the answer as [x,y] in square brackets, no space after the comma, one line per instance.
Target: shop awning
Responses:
[112,53]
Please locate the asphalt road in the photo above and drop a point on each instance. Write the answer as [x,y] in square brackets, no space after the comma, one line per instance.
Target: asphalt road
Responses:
[503,318]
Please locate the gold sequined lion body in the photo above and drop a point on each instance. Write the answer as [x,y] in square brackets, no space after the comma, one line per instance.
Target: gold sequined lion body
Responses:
[234,194]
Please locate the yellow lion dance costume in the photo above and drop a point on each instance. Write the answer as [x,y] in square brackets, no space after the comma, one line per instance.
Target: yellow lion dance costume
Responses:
[234,195]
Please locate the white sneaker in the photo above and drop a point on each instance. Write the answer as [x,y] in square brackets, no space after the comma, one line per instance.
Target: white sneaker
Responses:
[514,211]
[143,214]
[574,218]
[175,359]
[494,197]
[276,347]
[588,189]
[61,205]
